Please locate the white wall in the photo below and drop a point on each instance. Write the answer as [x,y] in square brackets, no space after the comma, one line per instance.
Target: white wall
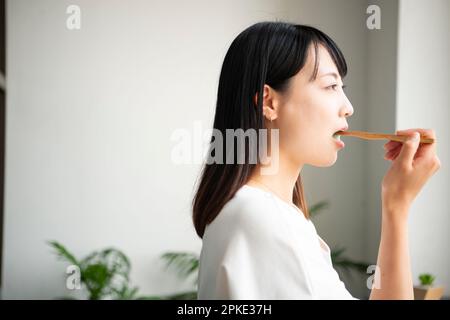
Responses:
[423,101]
[91,112]
[381,115]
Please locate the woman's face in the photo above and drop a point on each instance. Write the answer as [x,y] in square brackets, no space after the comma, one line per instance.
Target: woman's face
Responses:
[311,111]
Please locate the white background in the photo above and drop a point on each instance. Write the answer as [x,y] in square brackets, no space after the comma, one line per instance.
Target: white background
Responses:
[90,113]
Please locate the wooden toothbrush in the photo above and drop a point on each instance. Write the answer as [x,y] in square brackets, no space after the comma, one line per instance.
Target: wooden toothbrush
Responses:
[381,136]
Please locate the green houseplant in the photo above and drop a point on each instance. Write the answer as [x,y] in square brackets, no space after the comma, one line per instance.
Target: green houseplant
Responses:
[103,274]
[426,290]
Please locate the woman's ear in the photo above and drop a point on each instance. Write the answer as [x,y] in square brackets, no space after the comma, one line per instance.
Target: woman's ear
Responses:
[269,103]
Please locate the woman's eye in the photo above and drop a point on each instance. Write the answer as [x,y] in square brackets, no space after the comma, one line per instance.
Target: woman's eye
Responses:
[333,87]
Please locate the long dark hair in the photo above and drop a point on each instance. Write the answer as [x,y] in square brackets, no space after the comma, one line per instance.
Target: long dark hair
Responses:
[264,53]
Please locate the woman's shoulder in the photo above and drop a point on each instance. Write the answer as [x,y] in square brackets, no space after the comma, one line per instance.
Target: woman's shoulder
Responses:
[249,202]
[250,209]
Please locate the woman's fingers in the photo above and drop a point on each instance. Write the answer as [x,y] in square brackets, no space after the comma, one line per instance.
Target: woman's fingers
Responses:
[428,132]
[425,149]
[393,153]
[423,132]
[391,145]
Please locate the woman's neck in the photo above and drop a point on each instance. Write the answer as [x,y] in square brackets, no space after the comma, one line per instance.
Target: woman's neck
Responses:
[281,183]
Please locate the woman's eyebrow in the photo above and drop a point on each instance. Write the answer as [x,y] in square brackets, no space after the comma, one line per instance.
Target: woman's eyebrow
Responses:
[334,74]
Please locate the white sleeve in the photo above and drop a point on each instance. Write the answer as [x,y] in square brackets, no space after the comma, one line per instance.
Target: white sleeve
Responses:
[261,262]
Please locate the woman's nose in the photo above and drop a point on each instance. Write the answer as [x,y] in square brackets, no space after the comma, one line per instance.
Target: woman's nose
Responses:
[347,108]
[349,111]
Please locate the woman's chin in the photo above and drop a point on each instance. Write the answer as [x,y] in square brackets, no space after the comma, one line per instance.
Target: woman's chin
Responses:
[326,161]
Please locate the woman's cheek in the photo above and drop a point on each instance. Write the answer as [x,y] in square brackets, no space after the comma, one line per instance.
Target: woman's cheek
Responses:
[292,138]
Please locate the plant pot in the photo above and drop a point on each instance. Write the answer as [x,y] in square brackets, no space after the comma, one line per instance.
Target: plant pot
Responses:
[428,293]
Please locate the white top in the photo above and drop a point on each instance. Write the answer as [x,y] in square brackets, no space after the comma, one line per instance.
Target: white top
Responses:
[261,247]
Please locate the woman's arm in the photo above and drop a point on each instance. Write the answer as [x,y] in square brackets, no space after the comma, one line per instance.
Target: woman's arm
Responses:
[393,265]
[413,164]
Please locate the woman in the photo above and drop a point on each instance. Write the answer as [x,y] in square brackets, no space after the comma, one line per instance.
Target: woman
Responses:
[258,241]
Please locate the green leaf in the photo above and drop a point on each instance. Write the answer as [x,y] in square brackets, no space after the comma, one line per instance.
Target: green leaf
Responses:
[426,279]
[189,295]
[184,263]
[150,298]
[63,253]
[105,273]
[96,277]
[316,208]
[346,264]
[125,293]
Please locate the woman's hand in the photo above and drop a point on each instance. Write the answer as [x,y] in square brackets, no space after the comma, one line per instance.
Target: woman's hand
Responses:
[412,165]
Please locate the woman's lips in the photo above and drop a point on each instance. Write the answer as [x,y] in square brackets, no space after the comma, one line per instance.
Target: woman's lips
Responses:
[339,143]
[337,137]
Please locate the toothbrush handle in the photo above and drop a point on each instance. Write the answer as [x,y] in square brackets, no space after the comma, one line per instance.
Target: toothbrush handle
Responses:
[382,136]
